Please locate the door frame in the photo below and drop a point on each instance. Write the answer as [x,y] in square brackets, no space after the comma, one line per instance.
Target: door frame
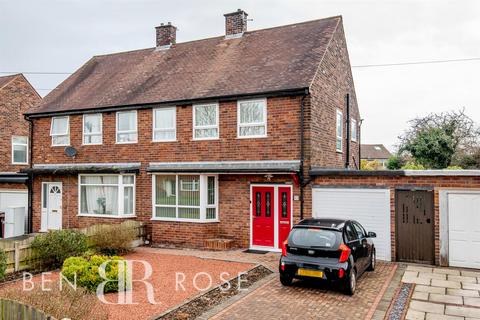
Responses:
[444,239]
[426,189]
[41,204]
[275,214]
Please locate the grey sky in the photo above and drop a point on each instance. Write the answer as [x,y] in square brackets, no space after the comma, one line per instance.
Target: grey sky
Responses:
[62,35]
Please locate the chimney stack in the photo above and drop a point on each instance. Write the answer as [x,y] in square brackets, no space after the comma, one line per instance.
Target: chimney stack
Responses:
[166,36]
[235,24]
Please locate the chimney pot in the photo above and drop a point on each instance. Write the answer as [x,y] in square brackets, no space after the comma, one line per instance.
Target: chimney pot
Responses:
[235,24]
[166,36]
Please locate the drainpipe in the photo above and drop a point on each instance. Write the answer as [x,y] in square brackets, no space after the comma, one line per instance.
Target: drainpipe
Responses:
[360,144]
[302,152]
[30,175]
[347,153]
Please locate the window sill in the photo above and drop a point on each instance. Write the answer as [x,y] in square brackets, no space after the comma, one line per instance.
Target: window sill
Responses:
[130,142]
[205,139]
[185,220]
[60,145]
[91,144]
[110,216]
[20,163]
[252,137]
[163,141]
[338,151]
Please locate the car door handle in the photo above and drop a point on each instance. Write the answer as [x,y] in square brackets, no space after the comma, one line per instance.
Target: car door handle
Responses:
[284,222]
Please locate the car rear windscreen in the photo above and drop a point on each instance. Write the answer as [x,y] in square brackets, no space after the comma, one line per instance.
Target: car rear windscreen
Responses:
[314,237]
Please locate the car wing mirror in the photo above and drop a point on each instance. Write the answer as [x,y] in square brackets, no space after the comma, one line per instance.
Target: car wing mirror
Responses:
[372,234]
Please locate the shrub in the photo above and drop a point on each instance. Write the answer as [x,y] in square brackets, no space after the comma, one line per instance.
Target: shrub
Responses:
[3,264]
[114,239]
[454,168]
[413,166]
[370,165]
[395,162]
[55,246]
[86,272]
[66,303]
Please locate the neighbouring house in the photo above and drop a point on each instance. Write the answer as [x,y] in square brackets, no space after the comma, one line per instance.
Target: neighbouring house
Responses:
[16,97]
[375,152]
[204,139]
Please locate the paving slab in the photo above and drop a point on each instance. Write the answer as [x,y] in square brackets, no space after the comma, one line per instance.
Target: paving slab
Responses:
[462,311]
[469,273]
[424,281]
[422,288]
[446,284]
[462,279]
[433,316]
[415,315]
[444,298]
[417,295]
[419,268]
[471,286]
[469,301]
[463,293]
[431,275]
[427,307]
[447,271]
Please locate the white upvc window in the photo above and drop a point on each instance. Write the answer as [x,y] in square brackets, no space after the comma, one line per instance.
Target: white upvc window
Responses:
[164,124]
[107,195]
[127,127]
[205,121]
[339,132]
[60,131]
[185,197]
[19,150]
[92,129]
[252,118]
[353,130]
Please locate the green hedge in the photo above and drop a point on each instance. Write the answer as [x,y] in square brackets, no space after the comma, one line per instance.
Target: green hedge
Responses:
[3,263]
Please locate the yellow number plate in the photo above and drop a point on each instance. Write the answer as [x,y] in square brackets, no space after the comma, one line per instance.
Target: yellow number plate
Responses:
[310,273]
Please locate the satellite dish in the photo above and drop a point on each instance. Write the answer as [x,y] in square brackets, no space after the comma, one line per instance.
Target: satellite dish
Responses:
[70,152]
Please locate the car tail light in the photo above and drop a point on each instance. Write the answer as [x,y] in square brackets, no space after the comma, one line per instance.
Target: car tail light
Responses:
[284,248]
[282,266]
[341,273]
[345,253]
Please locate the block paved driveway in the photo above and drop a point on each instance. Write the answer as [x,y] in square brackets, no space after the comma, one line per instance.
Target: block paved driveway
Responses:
[443,293]
[303,300]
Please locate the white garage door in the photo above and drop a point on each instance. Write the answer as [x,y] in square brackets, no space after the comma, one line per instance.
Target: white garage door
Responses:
[464,229]
[13,199]
[370,207]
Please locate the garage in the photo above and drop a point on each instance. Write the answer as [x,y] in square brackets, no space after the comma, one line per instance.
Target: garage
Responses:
[461,210]
[369,206]
[13,212]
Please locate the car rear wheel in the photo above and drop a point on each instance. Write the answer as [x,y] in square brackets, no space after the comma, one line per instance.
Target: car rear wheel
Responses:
[286,280]
[373,261]
[351,283]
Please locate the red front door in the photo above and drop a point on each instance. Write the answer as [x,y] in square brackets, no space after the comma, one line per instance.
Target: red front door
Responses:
[263,225]
[284,214]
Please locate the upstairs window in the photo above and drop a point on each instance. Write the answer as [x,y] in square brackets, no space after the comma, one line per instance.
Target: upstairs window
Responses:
[339,132]
[205,121]
[252,118]
[92,128]
[127,127]
[19,150]
[164,124]
[60,131]
[353,131]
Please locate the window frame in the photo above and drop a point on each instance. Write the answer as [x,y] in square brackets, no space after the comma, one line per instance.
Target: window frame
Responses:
[253,124]
[117,132]
[121,193]
[154,129]
[92,133]
[353,125]
[60,134]
[339,137]
[217,125]
[203,198]
[13,144]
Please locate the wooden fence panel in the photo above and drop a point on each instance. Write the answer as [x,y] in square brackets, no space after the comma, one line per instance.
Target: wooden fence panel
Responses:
[14,310]
[20,254]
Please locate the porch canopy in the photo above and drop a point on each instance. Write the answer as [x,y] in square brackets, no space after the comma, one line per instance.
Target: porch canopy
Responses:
[72,168]
[267,166]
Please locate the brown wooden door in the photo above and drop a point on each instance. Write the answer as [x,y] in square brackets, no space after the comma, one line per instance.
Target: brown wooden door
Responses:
[415,226]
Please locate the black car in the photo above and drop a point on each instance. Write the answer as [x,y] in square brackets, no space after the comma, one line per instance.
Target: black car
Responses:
[334,250]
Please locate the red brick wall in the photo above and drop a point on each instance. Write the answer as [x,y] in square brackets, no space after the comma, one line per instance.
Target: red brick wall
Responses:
[13,186]
[234,209]
[15,98]
[332,82]
[282,141]
[393,183]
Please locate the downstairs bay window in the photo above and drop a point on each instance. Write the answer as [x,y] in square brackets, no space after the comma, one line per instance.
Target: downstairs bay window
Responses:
[185,197]
[107,195]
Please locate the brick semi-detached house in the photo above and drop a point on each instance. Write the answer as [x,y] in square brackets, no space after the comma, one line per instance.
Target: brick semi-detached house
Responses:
[204,139]
[16,97]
